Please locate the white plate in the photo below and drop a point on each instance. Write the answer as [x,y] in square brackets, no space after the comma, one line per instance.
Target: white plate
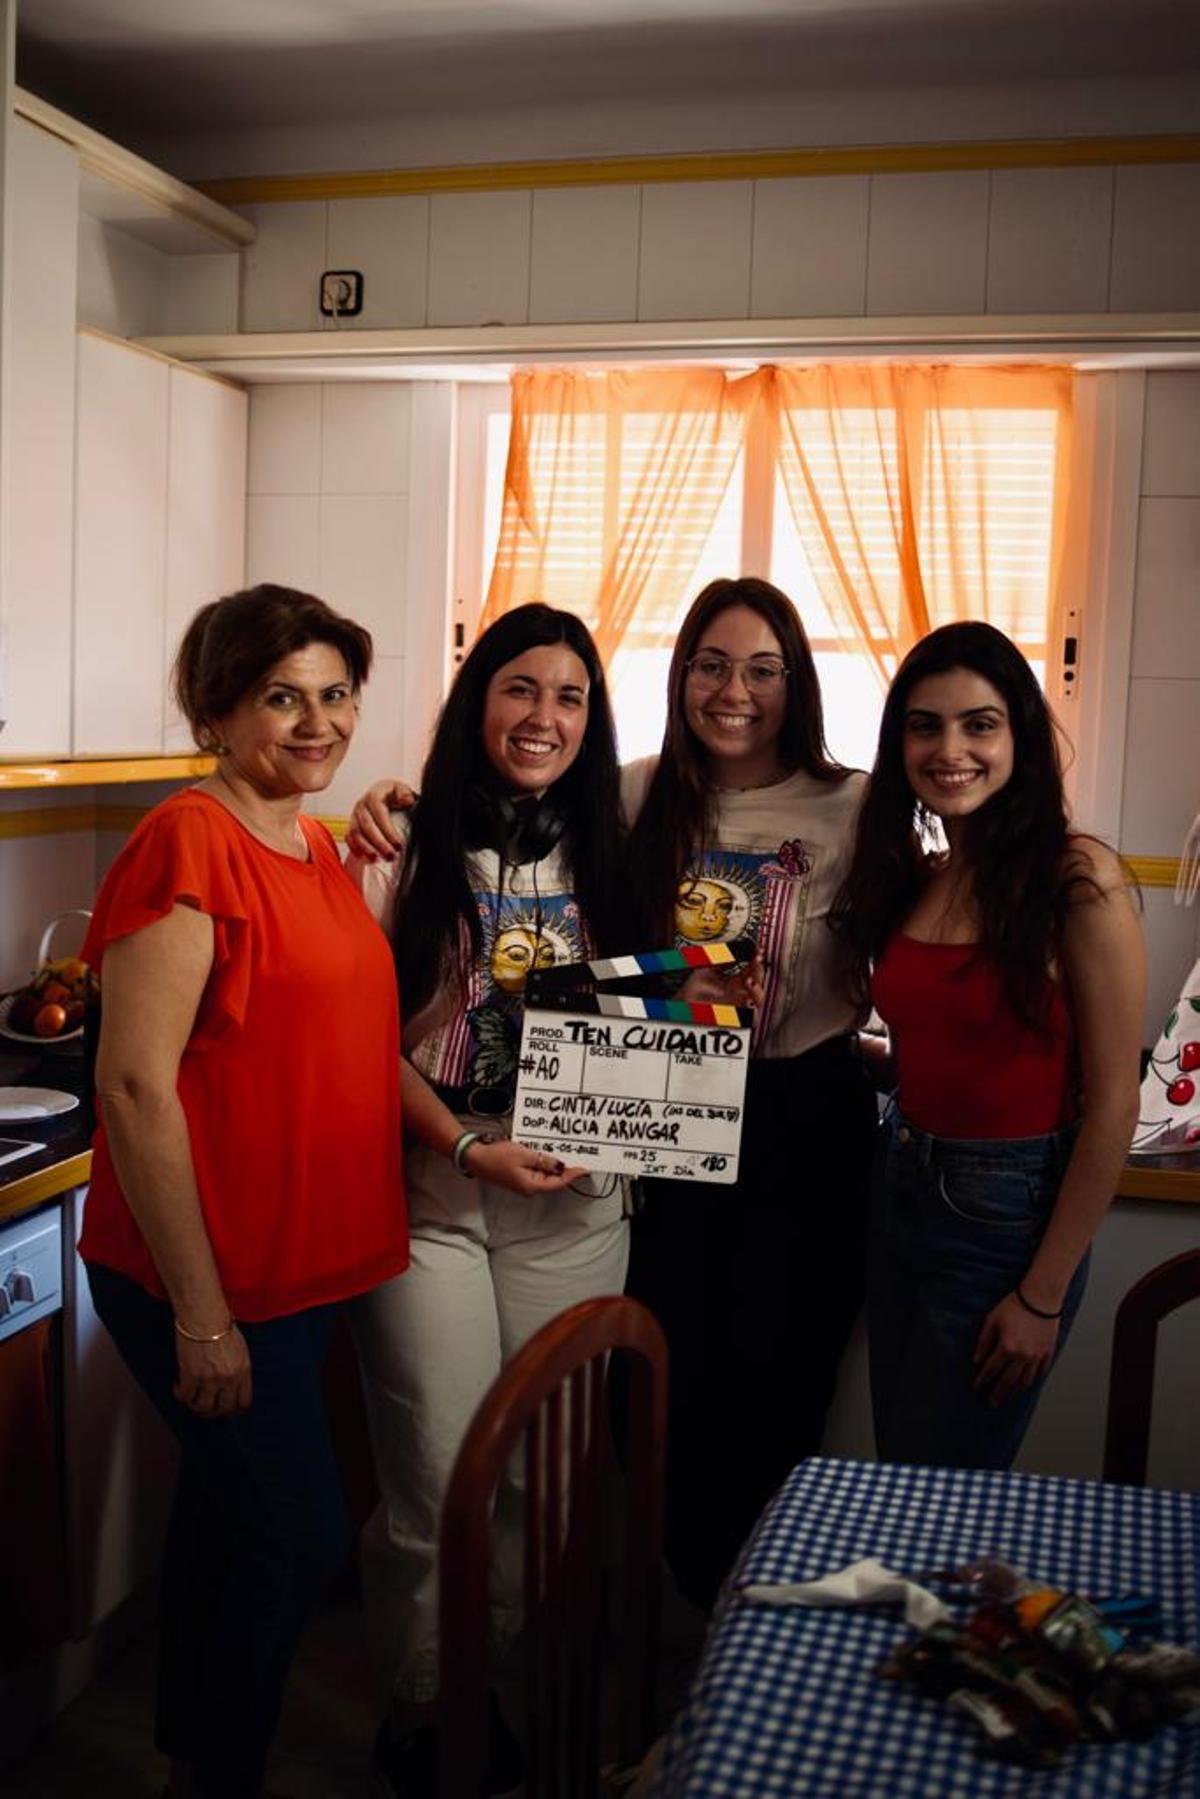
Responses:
[6,1030]
[17,1103]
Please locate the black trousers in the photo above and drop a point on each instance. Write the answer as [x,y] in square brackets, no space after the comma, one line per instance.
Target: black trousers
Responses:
[757,1286]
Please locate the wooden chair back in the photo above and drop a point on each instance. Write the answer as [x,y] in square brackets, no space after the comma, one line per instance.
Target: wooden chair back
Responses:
[554,1394]
[1131,1381]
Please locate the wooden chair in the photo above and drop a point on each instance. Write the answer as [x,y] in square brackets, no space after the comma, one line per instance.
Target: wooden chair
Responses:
[554,1394]
[1131,1381]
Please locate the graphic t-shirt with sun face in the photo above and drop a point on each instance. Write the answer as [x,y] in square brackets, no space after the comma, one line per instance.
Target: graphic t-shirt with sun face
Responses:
[779,856]
[466,1045]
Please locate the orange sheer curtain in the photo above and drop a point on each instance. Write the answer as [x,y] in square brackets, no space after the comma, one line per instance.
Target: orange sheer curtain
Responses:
[612,485]
[926,494]
[919,494]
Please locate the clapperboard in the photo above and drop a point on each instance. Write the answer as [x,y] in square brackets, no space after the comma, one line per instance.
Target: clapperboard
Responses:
[633,1086]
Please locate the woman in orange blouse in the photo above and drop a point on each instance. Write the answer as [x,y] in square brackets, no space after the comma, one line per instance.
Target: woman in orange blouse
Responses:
[247,1168]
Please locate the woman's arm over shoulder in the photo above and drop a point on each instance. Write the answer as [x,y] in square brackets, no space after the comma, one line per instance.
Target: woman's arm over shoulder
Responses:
[635,782]
[378,881]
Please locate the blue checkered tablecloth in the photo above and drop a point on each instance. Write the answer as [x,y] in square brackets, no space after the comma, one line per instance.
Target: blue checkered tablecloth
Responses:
[787,1699]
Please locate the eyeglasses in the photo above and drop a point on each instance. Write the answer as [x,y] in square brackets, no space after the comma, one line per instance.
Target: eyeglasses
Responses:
[760,674]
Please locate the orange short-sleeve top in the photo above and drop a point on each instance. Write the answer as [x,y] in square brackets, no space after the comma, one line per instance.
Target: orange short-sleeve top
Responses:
[290,1079]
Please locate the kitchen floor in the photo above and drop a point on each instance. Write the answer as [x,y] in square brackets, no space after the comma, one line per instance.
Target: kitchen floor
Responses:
[100,1748]
[101,1745]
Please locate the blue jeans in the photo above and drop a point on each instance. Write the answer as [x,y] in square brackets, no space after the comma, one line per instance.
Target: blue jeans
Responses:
[257,1533]
[955,1223]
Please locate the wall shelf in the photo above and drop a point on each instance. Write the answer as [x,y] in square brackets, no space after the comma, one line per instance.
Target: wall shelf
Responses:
[128,191]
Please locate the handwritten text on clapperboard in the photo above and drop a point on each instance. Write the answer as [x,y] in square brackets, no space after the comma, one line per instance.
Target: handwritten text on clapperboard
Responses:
[633,1095]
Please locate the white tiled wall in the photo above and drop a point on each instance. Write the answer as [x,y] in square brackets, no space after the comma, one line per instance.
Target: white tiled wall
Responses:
[333,482]
[479,247]
[41,876]
[1156,239]
[202,293]
[1007,241]
[1049,237]
[695,250]
[809,256]
[927,243]
[584,254]
[1162,777]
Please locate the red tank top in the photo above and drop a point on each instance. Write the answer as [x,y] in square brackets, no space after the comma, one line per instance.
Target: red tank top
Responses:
[968,1066]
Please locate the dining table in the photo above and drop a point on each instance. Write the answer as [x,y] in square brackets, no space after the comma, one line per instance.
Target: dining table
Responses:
[788,1698]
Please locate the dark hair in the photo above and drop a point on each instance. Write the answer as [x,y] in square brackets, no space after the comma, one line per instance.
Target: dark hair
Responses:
[678,815]
[232,644]
[436,904]
[1016,846]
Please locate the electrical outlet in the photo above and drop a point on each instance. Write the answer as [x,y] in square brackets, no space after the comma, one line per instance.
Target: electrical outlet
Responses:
[341,293]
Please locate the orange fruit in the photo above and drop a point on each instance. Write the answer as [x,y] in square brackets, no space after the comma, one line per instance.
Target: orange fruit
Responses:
[50,1021]
[55,994]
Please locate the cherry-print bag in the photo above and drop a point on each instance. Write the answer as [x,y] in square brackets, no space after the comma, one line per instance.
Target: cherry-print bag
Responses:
[1169,1114]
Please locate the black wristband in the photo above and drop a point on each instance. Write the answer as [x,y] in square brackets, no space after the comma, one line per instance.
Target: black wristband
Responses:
[1037,1310]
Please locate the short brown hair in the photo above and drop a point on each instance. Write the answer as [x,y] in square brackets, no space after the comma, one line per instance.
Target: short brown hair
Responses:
[233,643]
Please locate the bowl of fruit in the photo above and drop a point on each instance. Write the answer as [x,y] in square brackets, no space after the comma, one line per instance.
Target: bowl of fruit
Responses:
[49,1009]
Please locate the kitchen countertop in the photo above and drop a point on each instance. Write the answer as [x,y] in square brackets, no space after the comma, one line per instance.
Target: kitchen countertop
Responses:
[67,1158]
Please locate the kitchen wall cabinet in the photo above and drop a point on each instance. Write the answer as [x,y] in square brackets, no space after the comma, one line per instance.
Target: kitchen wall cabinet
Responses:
[35,584]
[159,529]
[120,548]
[206,512]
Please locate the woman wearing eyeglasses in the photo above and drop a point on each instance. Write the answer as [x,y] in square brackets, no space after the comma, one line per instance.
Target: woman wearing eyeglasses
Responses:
[744,827]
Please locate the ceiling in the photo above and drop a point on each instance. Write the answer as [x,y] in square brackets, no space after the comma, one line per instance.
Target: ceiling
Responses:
[142,69]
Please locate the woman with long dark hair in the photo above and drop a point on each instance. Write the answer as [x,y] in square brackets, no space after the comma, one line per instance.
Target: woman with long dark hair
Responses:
[512,859]
[1008,964]
[743,829]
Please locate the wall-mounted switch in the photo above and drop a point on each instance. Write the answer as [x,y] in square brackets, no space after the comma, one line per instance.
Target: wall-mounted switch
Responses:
[341,293]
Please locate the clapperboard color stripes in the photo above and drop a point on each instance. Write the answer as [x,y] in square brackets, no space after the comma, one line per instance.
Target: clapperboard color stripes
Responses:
[627,1085]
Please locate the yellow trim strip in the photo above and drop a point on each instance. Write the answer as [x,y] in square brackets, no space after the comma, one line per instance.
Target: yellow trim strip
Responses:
[337,827]
[51,821]
[1153,871]
[47,1183]
[746,165]
[47,821]
[102,773]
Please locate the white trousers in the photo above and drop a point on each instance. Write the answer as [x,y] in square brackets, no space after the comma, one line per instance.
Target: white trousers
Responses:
[488,1269]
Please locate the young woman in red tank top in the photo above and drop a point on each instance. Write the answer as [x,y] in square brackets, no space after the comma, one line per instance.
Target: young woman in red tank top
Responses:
[1008,965]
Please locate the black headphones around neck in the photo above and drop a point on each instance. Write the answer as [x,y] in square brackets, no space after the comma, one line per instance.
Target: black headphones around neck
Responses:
[520,831]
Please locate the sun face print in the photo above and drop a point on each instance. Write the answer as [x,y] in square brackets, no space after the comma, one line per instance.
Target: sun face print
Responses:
[713,907]
[517,949]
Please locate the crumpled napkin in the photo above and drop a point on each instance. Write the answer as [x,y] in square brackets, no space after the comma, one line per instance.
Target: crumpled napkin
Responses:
[862,1583]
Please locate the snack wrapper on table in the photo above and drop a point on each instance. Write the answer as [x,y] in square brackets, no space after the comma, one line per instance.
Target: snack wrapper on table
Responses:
[1037,1670]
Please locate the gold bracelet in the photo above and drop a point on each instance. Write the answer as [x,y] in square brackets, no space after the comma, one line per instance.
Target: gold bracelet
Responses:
[216,1338]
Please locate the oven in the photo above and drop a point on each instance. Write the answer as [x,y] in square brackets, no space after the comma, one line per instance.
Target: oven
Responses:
[35,1592]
